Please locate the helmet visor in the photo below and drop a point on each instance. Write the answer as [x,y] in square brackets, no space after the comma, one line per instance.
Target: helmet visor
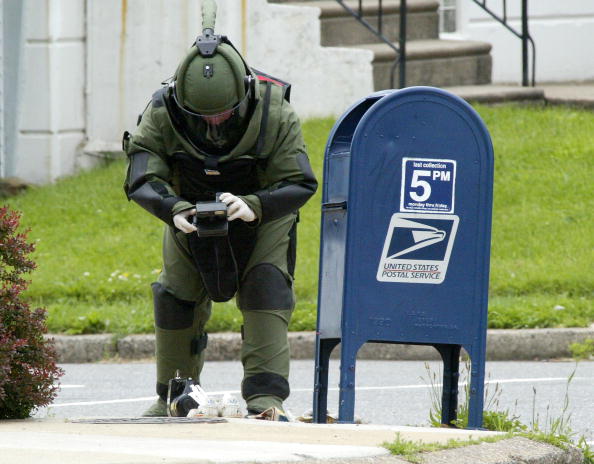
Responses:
[216,134]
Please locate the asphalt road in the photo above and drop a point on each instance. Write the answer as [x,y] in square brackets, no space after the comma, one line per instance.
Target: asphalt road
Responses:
[388,392]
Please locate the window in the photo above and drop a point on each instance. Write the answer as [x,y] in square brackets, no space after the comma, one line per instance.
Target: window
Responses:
[447,16]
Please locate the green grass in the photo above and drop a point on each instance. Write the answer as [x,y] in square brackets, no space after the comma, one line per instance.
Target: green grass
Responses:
[97,253]
[543,201]
[582,351]
[543,217]
[412,450]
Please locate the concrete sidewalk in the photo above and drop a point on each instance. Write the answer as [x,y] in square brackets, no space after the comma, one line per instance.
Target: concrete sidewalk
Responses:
[242,440]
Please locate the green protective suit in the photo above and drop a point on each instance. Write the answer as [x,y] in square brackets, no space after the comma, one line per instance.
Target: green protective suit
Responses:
[166,176]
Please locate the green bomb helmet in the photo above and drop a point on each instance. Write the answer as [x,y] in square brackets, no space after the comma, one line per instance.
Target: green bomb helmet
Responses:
[213,92]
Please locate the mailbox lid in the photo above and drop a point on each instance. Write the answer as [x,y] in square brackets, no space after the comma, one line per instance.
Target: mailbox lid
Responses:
[428,127]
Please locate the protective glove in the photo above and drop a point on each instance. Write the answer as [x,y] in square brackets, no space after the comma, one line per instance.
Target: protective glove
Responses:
[181,221]
[237,208]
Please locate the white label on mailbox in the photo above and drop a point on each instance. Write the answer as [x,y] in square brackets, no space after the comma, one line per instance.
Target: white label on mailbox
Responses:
[417,248]
[428,185]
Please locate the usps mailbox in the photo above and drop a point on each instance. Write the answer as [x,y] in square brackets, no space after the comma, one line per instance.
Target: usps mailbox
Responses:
[405,238]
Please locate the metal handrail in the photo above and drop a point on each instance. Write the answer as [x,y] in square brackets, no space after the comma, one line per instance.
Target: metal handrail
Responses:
[378,32]
[400,51]
[523,35]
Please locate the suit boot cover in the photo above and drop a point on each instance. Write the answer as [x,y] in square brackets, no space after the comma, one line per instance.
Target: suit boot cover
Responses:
[175,350]
[265,357]
[180,339]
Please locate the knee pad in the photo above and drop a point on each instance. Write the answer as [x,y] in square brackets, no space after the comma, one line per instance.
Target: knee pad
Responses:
[171,313]
[265,384]
[265,287]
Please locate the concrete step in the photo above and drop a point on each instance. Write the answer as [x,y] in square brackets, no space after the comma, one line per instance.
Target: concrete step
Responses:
[339,28]
[438,63]
[430,61]
[499,93]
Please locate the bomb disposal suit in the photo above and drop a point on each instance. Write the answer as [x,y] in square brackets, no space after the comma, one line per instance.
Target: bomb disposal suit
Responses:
[221,127]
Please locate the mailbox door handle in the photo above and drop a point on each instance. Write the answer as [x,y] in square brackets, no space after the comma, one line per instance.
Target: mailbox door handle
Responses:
[334,206]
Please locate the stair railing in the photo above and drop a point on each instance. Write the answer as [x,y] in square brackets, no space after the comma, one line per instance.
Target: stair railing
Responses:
[523,35]
[400,50]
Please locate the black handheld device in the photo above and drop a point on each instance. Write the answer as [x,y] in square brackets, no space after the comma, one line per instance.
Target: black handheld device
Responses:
[211,218]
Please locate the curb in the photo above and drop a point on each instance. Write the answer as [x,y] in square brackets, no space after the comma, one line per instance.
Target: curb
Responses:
[502,345]
[516,450]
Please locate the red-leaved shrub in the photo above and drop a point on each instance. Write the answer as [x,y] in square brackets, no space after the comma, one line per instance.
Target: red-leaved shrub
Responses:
[28,371]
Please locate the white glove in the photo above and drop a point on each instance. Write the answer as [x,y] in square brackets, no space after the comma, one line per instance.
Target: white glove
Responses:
[237,208]
[181,221]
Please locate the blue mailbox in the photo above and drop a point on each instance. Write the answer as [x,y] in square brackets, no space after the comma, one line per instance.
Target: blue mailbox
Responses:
[405,238]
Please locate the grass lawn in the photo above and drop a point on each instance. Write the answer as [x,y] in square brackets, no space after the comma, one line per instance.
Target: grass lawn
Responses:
[97,253]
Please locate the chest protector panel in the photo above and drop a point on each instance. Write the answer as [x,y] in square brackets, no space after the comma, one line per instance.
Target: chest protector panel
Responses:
[220,260]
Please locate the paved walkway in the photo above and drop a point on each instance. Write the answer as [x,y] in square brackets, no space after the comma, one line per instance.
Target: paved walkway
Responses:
[237,440]
[579,94]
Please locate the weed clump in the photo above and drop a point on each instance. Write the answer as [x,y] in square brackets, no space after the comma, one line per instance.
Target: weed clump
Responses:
[556,431]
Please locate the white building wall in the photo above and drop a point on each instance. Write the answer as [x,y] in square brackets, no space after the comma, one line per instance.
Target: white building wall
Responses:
[52,113]
[285,41]
[90,66]
[563,33]
[133,45]
[3,137]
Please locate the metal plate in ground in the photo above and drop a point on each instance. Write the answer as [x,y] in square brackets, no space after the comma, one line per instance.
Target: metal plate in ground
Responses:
[151,420]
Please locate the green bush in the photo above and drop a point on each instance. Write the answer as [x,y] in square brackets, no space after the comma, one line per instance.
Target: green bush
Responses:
[28,370]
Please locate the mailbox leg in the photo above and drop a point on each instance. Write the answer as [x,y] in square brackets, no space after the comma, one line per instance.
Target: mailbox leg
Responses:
[346,399]
[451,372]
[477,387]
[320,400]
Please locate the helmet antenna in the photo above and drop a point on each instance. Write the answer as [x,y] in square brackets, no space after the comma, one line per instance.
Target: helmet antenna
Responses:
[209,16]
[207,42]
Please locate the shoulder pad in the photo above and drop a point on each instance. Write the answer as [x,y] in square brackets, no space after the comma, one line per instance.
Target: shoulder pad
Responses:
[286,87]
[158,98]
